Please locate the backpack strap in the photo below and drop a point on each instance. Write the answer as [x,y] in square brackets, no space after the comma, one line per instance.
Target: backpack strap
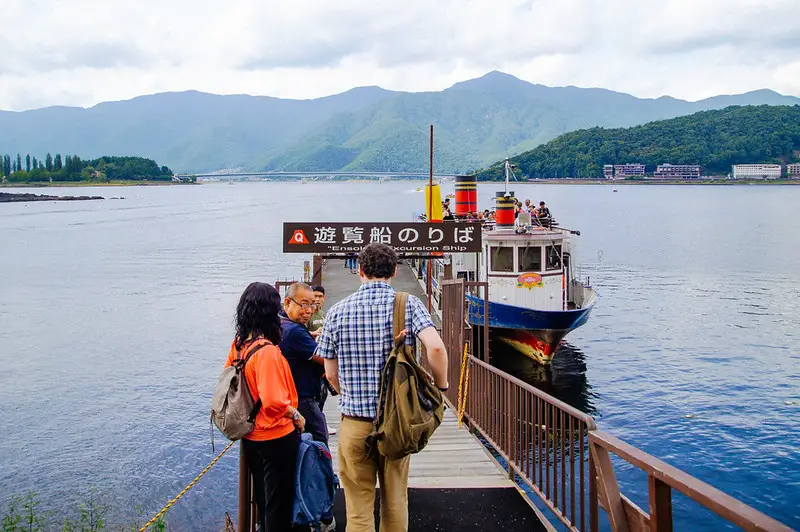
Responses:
[240,363]
[252,351]
[399,316]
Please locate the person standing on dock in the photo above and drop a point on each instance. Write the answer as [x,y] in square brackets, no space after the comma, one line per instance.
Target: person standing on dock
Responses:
[298,346]
[318,317]
[355,343]
[315,324]
[271,448]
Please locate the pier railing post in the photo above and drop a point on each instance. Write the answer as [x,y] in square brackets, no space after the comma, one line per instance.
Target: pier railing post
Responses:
[660,505]
[243,521]
[511,409]
[316,270]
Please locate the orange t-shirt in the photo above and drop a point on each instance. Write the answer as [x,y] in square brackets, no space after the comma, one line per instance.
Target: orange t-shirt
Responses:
[269,379]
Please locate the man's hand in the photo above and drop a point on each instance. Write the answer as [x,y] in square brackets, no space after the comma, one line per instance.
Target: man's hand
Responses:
[316,334]
[437,355]
[300,424]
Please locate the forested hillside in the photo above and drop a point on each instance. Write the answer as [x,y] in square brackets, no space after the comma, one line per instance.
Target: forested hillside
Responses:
[713,139]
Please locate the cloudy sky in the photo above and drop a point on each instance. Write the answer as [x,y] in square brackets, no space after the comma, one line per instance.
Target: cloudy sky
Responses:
[81,52]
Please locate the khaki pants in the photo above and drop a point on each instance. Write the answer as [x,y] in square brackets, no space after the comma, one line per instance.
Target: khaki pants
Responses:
[358,474]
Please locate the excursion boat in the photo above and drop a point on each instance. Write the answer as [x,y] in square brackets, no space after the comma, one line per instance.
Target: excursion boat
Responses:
[534,297]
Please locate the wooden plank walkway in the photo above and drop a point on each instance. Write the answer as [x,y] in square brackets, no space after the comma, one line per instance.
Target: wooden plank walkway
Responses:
[453,458]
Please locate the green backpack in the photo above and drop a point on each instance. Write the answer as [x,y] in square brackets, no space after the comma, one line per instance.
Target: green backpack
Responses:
[410,406]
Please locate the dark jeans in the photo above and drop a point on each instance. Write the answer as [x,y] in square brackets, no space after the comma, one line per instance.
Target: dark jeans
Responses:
[272,464]
[323,395]
[315,420]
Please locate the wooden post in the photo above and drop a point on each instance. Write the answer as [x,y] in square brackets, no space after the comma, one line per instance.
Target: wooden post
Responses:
[429,262]
[316,270]
[660,505]
[243,520]
[608,488]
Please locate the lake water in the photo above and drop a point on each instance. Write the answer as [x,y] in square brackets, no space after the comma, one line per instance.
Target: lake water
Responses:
[116,316]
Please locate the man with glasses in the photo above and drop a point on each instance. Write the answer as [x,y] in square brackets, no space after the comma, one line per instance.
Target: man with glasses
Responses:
[298,347]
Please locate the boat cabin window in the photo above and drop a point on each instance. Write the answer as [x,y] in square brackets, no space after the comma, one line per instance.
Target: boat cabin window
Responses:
[530,259]
[502,259]
[467,276]
[554,257]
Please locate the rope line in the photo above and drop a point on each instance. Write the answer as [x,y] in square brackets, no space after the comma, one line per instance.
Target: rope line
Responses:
[463,386]
[187,488]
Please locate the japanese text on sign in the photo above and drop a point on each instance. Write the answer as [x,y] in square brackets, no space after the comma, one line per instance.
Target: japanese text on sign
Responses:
[350,237]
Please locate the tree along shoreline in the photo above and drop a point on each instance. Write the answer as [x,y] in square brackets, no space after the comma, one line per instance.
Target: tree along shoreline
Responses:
[70,184]
[73,169]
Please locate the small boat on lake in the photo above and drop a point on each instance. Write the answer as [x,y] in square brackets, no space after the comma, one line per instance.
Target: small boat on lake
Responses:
[534,297]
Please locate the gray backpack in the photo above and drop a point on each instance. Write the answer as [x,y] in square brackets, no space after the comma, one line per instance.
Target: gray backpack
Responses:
[232,407]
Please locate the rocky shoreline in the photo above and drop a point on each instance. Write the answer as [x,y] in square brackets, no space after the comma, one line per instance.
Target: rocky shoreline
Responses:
[8,197]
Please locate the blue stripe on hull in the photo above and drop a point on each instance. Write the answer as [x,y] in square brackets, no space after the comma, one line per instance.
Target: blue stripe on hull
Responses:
[512,317]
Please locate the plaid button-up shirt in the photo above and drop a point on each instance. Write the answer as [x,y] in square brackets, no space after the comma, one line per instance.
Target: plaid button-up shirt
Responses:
[358,332]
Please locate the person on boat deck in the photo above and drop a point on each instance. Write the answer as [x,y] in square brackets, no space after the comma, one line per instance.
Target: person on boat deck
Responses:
[447,215]
[271,448]
[543,215]
[528,206]
[355,344]
[298,346]
[543,211]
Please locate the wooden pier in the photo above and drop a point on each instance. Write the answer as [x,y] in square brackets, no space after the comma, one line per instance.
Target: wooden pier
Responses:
[550,448]
[454,483]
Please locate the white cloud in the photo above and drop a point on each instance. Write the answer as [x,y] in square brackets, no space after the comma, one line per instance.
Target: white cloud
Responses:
[81,52]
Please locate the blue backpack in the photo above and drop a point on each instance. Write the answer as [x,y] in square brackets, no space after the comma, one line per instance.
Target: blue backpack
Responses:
[315,483]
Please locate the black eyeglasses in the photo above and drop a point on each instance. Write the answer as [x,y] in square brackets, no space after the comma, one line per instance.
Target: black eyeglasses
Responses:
[303,305]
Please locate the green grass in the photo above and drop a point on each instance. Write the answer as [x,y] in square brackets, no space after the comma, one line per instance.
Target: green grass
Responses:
[26,513]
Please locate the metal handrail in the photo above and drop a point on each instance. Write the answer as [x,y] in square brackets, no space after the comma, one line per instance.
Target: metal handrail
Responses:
[561,405]
[542,440]
[662,479]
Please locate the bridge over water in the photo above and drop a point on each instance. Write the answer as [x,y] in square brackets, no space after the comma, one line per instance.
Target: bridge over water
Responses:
[301,174]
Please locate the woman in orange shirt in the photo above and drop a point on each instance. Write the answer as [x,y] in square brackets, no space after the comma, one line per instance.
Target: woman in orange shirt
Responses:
[271,448]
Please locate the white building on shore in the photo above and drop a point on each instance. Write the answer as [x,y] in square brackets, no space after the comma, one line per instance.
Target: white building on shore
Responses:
[793,170]
[757,171]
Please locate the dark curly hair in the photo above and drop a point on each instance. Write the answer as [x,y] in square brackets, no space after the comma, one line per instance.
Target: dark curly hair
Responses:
[378,261]
[257,314]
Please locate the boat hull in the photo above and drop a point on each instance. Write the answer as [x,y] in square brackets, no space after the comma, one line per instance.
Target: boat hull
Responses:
[535,333]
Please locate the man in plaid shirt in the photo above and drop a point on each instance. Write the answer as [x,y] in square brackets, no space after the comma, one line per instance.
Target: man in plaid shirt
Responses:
[355,343]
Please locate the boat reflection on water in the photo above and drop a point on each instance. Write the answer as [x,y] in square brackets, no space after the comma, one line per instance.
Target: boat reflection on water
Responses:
[564,378]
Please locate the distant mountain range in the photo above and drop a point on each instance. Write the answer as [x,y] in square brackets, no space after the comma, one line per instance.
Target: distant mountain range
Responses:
[476,123]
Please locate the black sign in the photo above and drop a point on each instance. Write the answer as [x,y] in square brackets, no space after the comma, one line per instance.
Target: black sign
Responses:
[411,237]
